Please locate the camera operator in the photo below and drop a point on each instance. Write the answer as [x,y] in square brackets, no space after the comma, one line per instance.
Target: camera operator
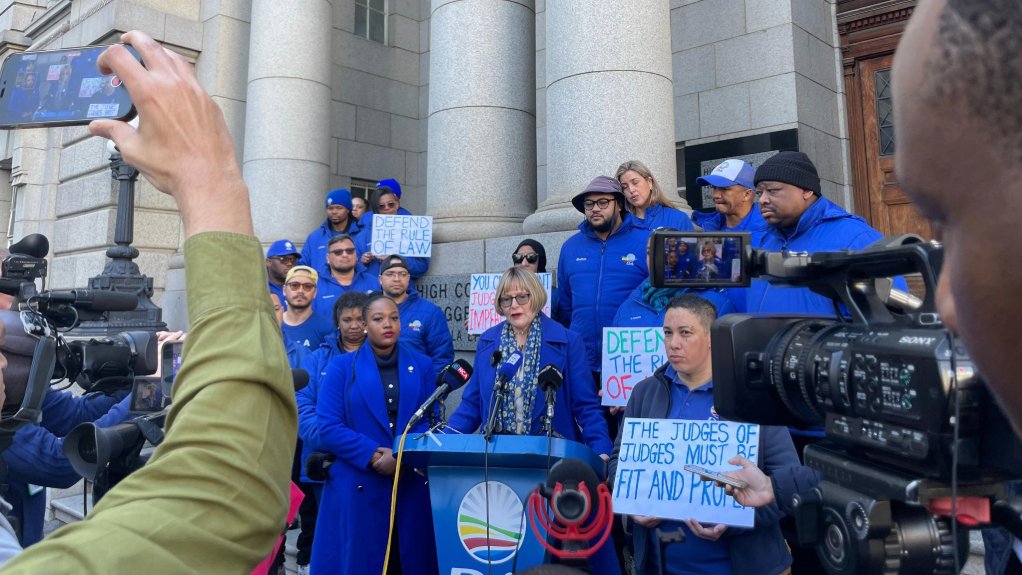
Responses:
[214,495]
[957,84]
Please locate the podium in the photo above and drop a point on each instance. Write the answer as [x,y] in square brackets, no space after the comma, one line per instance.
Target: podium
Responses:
[464,473]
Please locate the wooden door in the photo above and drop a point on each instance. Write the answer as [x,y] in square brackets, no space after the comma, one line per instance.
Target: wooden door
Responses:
[890,210]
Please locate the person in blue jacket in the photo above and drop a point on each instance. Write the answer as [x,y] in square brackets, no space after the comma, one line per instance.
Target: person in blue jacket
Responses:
[35,458]
[339,220]
[600,265]
[366,400]
[683,389]
[280,258]
[423,324]
[646,201]
[800,219]
[341,274]
[520,298]
[384,201]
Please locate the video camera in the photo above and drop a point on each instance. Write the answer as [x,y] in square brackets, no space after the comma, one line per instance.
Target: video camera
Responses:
[36,350]
[911,435]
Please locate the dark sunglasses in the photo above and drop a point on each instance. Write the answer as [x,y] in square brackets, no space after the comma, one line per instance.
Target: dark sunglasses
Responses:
[531,258]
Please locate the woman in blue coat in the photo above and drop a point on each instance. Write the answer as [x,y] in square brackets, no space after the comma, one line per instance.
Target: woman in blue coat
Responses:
[646,201]
[541,341]
[365,401]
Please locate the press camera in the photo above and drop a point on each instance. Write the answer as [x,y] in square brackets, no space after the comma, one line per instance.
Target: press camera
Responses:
[912,437]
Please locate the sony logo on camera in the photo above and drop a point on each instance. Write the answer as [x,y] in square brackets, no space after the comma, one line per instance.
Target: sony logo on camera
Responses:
[917,340]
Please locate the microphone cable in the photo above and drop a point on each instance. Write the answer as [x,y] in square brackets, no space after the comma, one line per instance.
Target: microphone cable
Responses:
[393,494]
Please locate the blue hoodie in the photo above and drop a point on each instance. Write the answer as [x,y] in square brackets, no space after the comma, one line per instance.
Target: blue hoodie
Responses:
[314,250]
[328,290]
[825,226]
[660,216]
[308,424]
[595,276]
[424,328]
[636,311]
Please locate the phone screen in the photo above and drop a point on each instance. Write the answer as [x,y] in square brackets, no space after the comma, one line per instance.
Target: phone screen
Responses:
[711,475]
[60,88]
[699,259]
[171,364]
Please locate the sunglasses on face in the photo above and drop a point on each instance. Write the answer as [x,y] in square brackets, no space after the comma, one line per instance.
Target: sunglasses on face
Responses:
[343,251]
[295,286]
[531,258]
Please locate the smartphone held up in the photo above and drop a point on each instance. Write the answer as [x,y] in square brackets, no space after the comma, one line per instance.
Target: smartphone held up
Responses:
[60,88]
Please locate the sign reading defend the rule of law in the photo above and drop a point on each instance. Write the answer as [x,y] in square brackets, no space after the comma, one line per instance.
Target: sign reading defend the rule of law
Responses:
[408,236]
[630,354]
[650,479]
[481,313]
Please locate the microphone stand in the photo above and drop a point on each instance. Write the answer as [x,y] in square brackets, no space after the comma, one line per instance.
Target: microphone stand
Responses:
[492,424]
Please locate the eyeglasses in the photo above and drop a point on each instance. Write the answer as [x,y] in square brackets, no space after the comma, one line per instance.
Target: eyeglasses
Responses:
[285,259]
[531,258]
[295,286]
[395,274]
[505,302]
[388,206]
[601,203]
[343,252]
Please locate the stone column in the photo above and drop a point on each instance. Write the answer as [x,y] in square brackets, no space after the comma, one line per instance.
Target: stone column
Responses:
[609,99]
[481,165]
[287,116]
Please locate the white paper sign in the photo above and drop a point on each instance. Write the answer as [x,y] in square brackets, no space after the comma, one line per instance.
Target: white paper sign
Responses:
[408,236]
[650,480]
[481,313]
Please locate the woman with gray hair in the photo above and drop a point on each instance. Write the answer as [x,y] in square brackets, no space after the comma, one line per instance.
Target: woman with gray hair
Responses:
[647,202]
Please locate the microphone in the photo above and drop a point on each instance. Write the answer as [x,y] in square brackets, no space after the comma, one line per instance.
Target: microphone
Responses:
[89,300]
[572,503]
[495,358]
[451,377]
[550,380]
[505,372]
[32,245]
[300,377]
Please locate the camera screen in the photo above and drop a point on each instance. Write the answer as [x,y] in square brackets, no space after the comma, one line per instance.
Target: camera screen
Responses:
[699,259]
[171,364]
[59,87]
[147,395]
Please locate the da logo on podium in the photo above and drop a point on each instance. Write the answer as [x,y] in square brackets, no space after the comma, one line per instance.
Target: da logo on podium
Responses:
[504,537]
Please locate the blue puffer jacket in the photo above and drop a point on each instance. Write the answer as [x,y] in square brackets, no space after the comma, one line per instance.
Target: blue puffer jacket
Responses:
[314,250]
[825,226]
[424,327]
[308,425]
[637,312]
[660,216]
[329,290]
[595,276]
[36,455]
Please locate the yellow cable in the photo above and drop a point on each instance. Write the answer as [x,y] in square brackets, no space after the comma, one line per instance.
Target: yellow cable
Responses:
[393,495]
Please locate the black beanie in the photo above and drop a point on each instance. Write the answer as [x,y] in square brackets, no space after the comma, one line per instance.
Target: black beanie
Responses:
[793,168]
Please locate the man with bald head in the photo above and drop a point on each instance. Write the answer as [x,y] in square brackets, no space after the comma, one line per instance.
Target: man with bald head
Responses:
[958,118]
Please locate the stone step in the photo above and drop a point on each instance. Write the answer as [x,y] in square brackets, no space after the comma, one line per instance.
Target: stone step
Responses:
[69,509]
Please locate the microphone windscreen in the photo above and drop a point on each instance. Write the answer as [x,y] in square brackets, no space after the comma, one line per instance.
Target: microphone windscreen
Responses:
[495,358]
[103,300]
[550,378]
[510,366]
[300,378]
[34,245]
[457,374]
[571,472]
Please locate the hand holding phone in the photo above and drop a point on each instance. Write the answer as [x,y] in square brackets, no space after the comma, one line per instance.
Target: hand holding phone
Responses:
[711,475]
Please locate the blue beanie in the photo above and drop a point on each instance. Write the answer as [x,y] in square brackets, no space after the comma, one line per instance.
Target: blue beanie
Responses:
[339,197]
[392,184]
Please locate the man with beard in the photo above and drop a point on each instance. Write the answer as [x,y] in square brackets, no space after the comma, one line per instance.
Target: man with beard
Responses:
[301,325]
[423,324]
[280,258]
[339,275]
[339,220]
[600,265]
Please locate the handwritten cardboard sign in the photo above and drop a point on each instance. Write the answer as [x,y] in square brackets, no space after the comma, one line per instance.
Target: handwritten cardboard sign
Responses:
[650,479]
[408,236]
[481,313]
[630,354]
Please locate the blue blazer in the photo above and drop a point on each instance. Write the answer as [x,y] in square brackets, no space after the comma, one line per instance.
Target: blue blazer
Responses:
[577,414]
[354,513]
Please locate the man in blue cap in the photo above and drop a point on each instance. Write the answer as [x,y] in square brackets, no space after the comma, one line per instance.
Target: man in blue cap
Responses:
[338,221]
[734,197]
[280,258]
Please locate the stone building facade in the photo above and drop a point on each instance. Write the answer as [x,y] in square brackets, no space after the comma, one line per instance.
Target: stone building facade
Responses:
[491,113]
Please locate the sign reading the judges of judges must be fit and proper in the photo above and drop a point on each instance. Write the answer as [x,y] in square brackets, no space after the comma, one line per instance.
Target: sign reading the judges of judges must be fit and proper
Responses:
[481,313]
[630,354]
[408,236]
[650,478]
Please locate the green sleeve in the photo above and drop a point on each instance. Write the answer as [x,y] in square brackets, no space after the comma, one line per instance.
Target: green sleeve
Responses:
[213,498]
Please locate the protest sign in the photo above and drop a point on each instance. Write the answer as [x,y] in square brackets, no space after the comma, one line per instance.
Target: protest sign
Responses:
[630,354]
[481,313]
[650,480]
[408,236]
